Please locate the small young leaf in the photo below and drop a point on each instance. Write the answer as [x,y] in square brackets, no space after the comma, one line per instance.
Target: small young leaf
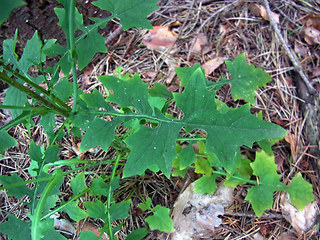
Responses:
[203,166]
[132,13]
[15,228]
[119,210]
[147,205]
[160,219]
[48,123]
[246,78]
[137,234]
[261,196]
[75,212]
[78,184]
[95,209]
[300,191]
[98,187]
[187,157]
[206,184]
[6,141]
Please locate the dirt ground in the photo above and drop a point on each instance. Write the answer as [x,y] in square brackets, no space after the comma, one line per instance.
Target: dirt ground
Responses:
[291,100]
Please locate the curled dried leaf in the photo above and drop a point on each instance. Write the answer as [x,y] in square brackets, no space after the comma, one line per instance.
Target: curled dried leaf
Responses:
[212,64]
[160,38]
[259,10]
[311,28]
[200,42]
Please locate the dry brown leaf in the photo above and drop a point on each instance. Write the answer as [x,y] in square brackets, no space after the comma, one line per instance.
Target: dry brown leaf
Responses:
[292,140]
[311,27]
[301,221]
[300,49]
[200,42]
[90,227]
[259,10]
[160,38]
[213,64]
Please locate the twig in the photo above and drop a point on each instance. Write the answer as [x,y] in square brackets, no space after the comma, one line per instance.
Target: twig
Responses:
[208,20]
[294,61]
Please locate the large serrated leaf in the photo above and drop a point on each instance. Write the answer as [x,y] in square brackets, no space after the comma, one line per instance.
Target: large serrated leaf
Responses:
[154,148]
[227,130]
[132,13]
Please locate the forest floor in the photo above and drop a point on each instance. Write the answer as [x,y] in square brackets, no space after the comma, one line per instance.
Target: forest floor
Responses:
[224,30]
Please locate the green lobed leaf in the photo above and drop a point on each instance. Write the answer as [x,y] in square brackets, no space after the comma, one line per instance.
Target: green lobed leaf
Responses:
[227,130]
[95,209]
[138,234]
[206,184]
[75,212]
[32,55]
[160,219]
[6,141]
[119,210]
[128,93]
[7,6]
[146,205]
[98,187]
[245,78]
[203,166]
[15,228]
[18,191]
[261,196]
[301,192]
[132,13]
[78,184]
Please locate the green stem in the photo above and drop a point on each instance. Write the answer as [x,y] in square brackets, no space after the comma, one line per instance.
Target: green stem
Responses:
[88,165]
[35,231]
[63,205]
[72,50]
[114,169]
[236,177]
[37,87]
[41,108]
[34,95]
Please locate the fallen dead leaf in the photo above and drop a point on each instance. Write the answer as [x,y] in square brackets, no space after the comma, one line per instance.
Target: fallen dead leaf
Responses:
[195,213]
[200,42]
[300,49]
[311,28]
[160,38]
[87,226]
[259,10]
[213,64]
[301,221]
[292,140]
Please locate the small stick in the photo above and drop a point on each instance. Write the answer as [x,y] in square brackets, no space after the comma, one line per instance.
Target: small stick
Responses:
[295,62]
[205,23]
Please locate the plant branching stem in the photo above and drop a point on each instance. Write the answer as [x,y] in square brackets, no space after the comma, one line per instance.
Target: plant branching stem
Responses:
[73,53]
[115,165]
[37,87]
[34,95]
